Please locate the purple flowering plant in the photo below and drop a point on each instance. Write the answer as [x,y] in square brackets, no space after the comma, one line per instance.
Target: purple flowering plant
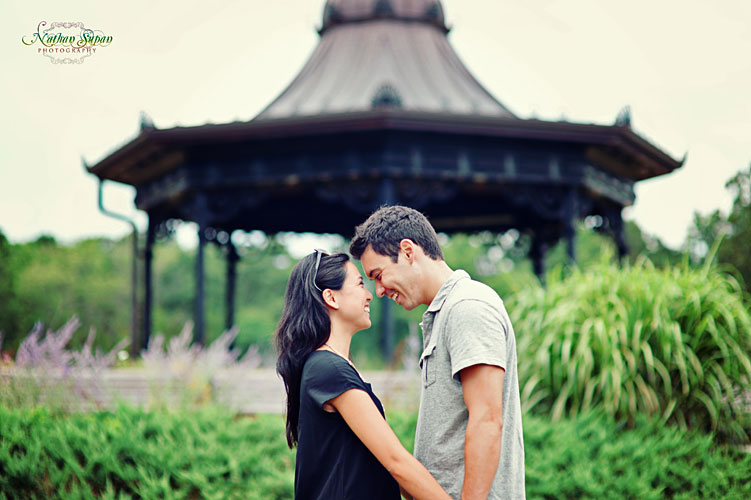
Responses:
[187,374]
[179,375]
[46,372]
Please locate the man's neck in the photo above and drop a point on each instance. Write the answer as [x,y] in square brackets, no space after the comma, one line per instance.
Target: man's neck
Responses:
[437,274]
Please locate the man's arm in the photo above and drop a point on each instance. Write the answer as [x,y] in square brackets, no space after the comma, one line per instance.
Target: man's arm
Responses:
[482,386]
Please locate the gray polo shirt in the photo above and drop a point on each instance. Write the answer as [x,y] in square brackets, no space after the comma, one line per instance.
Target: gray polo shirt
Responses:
[466,324]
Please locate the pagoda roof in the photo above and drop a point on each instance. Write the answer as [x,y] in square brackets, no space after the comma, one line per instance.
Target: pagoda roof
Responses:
[616,148]
[384,54]
[385,66]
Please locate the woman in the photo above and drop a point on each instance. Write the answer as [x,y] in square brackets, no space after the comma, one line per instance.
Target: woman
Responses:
[345,448]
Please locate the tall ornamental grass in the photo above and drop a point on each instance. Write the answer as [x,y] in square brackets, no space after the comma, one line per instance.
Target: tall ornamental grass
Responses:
[672,343]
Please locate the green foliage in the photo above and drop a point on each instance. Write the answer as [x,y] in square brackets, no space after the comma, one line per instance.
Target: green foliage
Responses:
[587,457]
[591,246]
[212,454]
[735,250]
[498,260]
[134,454]
[672,343]
[262,274]
[45,281]
[641,245]
[734,230]
[90,280]
[11,315]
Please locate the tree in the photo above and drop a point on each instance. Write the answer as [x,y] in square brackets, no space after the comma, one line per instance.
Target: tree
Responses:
[10,310]
[642,244]
[734,230]
[88,279]
[736,249]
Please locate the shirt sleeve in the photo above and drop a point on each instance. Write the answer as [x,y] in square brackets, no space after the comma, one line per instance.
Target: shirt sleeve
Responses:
[328,376]
[475,334]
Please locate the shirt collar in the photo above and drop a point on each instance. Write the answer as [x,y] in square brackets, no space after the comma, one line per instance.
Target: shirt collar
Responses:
[445,289]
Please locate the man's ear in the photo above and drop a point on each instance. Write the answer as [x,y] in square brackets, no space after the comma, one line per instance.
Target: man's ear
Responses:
[330,299]
[408,247]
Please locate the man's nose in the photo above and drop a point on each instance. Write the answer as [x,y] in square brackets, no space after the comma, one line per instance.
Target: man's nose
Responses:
[380,290]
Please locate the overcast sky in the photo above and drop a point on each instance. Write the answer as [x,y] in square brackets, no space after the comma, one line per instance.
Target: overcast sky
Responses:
[684,67]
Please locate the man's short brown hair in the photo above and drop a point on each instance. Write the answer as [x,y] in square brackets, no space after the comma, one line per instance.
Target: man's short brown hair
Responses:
[388,226]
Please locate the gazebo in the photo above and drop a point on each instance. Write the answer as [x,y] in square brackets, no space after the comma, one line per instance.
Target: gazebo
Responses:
[384,111]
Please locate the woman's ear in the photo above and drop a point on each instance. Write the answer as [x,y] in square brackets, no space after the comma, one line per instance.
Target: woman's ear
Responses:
[330,298]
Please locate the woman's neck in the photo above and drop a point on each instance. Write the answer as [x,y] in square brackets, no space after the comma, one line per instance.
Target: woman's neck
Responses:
[339,340]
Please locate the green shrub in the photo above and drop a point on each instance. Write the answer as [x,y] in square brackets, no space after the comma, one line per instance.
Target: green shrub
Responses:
[135,454]
[587,457]
[672,343]
[212,454]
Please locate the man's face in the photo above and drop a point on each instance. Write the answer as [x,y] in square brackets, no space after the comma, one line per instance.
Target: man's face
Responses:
[395,280]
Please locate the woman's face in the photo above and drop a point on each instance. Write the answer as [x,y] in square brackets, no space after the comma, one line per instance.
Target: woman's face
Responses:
[354,299]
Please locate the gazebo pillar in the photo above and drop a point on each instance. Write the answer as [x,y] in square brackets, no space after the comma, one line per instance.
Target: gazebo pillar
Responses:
[619,234]
[199,315]
[537,255]
[232,258]
[148,256]
[570,213]
[387,197]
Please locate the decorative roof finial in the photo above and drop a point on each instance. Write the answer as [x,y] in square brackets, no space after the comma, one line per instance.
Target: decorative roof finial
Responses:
[386,97]
[338,12]
[623,119]
[383,8]
[146,122]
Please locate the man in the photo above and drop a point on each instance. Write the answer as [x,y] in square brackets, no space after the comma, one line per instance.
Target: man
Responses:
[469,429]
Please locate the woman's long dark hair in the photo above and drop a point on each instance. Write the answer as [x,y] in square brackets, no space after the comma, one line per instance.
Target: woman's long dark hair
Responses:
[304,325]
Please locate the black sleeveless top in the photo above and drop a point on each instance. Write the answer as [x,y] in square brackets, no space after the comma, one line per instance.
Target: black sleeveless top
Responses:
[332,463]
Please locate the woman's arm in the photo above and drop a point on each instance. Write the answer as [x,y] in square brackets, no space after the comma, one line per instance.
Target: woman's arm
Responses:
[362,416]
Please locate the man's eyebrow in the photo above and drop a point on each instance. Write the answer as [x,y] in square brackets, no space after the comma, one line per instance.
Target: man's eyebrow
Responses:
[372,272]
